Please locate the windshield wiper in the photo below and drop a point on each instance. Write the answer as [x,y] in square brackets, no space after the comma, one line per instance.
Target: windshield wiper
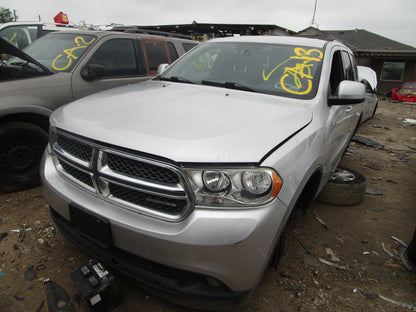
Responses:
[174,79]
[228,85]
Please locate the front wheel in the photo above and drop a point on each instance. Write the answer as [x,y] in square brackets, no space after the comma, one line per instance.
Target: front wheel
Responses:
[21,148]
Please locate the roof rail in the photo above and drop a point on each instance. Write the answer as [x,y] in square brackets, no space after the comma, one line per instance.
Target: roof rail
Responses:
[152,32]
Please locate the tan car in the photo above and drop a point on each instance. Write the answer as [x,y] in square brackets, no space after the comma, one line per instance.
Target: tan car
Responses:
[66,66]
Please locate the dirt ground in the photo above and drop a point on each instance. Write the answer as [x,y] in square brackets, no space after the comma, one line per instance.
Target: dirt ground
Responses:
[373,281]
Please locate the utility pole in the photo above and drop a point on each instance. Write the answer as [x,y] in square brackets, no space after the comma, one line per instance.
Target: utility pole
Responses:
[313,23]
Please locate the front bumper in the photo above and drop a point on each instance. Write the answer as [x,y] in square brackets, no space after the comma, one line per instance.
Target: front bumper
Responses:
[212,253]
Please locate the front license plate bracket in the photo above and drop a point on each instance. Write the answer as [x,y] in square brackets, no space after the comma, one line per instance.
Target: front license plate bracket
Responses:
[90,225]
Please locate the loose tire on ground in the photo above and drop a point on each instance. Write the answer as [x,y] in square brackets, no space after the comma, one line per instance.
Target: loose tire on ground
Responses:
[21,148]
[345,188]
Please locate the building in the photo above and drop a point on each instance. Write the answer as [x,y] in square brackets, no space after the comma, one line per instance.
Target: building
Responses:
[393,61]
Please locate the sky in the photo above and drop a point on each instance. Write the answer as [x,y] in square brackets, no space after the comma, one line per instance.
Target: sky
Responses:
[394,19]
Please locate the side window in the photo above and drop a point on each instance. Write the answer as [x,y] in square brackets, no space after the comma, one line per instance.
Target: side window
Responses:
[117,57]
[187,46]
[337,72]
[172,51]
[348,66]
[156,53]
[18,36]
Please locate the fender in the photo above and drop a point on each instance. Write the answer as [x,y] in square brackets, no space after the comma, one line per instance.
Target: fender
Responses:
[25,109]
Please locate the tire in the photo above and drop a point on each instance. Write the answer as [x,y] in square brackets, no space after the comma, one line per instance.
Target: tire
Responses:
[21,148]
[346,187]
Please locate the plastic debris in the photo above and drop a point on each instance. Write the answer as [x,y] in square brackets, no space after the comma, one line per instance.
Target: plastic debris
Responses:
[2,235]
[342,267]
[330,253]
[57,298]
[401,304]
[412,122]
[30,273]
[373,191]
[320,220]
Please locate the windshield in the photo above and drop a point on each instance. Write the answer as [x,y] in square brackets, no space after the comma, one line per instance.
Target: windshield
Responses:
[59,52]
[285,70]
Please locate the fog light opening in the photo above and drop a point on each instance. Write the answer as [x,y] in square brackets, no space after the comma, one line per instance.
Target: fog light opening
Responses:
[212,282]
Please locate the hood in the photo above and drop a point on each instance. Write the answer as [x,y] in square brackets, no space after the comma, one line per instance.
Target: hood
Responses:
[8,48]
[186,123]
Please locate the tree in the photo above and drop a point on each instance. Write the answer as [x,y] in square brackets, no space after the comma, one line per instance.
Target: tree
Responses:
[5,15]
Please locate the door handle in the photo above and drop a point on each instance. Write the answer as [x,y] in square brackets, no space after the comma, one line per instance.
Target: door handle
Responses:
[348,108]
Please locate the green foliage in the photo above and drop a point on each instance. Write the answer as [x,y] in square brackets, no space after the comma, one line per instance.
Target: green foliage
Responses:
[5,15]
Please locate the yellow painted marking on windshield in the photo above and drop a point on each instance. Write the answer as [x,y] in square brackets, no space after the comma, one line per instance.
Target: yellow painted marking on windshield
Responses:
[80,44]
[265,78]
[301,71]
[204,62]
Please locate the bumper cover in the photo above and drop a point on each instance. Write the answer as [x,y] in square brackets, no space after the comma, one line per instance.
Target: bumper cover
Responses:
[211,254]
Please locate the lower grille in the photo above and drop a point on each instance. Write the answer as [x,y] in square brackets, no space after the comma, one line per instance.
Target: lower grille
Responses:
[158,203]
[140,184]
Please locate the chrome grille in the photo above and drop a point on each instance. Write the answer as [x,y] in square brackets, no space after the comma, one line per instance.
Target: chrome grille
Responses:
[136,183]
[76,149]
[141,170]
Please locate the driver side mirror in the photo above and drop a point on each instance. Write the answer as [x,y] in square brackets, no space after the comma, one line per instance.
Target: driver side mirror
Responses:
[92,72]
[162,68]
[348,92]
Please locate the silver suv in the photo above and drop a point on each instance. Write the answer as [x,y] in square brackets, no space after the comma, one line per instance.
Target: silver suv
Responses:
[186,182]
[59,68]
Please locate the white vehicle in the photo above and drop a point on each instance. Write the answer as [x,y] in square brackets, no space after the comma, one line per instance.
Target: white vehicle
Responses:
[186,182]
[21,34]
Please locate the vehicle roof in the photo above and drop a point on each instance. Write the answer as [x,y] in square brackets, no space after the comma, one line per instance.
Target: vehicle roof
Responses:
[104,33]
[4,25]
[31,23]
[274,40]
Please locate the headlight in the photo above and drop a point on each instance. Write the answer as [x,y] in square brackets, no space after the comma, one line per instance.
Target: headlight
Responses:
[234,187]
[215,181]
[256,182]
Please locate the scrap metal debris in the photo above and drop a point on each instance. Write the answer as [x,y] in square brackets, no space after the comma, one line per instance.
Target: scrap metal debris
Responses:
[402,158]
[399,241]
[367,142]
[22,230]
[401,304]
[386,251]
[404,260]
